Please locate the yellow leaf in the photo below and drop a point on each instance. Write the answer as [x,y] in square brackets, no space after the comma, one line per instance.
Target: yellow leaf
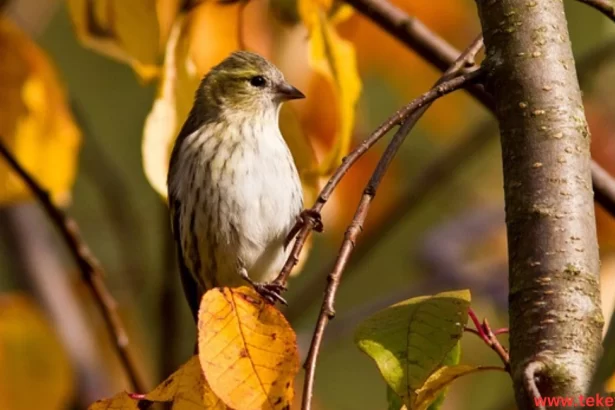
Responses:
[186,389]
[121,401]
[438,380]
[133,32]
[35,372]
[35,122]
[334,58]
[188,57]
[247,349]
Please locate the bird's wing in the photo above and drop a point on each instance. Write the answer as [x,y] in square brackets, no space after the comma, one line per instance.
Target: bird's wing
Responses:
[191,288]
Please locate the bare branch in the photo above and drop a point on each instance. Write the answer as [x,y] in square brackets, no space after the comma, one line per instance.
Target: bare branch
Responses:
[488,336]
[435,50]
[309,224]
[604,187]
[428,179]
[90,268]
[327,311]
[603,6]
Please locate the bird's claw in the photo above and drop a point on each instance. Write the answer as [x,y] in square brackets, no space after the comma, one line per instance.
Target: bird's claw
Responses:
[307,215]
[272,292]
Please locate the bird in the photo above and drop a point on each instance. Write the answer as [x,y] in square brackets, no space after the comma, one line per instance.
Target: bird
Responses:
[234,192]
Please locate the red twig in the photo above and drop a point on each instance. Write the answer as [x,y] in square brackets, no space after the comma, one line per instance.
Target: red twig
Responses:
[483,330]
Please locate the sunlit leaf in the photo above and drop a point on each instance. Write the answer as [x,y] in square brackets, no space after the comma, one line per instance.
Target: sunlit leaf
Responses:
[189,55]
[35,122]
[410,340]
[121,401]
[248,351]
[334,58]
[186,389]
[438,381]
[35,372]
[132,32]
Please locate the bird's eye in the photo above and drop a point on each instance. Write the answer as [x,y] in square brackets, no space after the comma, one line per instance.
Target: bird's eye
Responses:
[258,81]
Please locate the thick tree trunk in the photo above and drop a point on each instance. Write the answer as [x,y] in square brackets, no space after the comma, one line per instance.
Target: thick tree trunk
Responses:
[555,316]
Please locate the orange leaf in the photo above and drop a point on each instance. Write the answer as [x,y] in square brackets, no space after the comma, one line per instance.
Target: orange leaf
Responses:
[35,122]
[186,389]
[333,58]
[190,54]
[247,349]
[35,372]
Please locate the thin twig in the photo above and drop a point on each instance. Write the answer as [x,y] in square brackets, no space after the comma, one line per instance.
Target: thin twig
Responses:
[603,6]
[529,378]
[488,336]
[90,268]
[327,311]
[604,187]
[309,224]
[495,344]
[433,175]
[477,325]
[436,51]
[422,185]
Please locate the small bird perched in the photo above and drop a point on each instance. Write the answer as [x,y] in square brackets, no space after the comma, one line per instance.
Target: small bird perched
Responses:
[234,190]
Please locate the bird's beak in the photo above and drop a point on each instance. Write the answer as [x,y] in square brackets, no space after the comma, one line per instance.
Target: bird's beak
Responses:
[287,92]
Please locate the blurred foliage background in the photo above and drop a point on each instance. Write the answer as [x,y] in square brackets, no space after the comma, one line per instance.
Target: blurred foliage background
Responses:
[451,237]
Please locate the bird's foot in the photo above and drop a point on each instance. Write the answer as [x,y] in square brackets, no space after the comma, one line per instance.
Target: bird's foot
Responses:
[272,292]
[306,216]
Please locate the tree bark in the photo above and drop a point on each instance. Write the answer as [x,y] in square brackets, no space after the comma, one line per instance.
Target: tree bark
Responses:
[555,315]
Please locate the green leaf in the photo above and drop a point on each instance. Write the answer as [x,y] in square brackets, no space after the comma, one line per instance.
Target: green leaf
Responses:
[410,340]
[393,400]
[451,359]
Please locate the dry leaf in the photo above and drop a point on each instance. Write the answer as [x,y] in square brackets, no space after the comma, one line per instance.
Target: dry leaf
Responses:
[247,349]
[35,372]
[186,389]
[133,32]
[35,122]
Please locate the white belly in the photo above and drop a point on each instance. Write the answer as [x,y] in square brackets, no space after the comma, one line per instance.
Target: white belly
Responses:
[253,214]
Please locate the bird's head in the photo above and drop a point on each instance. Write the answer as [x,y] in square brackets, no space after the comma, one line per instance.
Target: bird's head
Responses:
[245,82]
